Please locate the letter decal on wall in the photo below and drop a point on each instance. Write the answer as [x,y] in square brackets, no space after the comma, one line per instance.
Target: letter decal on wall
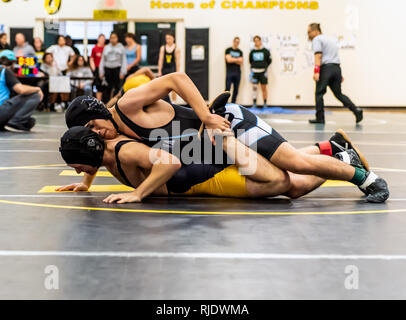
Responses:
[52,6]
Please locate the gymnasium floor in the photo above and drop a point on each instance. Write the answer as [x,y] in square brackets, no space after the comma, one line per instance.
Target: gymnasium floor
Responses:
[202,248]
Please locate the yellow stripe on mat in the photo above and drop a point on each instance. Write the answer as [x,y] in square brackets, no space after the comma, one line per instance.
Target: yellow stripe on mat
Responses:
[72,173]
[94,188]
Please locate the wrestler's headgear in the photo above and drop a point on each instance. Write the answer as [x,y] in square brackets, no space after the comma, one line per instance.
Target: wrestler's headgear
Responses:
[80,145]
[84,109]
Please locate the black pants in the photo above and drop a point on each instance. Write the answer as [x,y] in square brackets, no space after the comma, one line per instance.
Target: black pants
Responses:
[233,78]
[113,82]
[330,76]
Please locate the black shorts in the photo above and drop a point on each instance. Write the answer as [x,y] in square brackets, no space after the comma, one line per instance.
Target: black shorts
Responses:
[259,78]
[253,131]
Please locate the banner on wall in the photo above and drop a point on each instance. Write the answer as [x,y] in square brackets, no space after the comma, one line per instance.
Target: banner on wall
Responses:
[234,4]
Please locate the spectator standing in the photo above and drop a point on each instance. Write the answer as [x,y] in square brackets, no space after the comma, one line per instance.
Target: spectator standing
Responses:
[169,58]
[95,60]
[69,43]
[260,60]
[133,53]
[22,48]
[16,112]
[80,69]
[113,65]
[3,42]
[62,54]
[234,60]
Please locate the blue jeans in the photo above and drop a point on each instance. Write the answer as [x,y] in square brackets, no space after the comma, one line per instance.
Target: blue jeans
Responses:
[19,109]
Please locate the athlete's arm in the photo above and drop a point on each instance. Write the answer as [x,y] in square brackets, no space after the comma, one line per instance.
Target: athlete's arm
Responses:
[183,86]
[317,63]
[160,163]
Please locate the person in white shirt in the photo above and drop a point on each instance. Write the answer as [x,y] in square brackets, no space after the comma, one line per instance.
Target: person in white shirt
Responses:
[62,53]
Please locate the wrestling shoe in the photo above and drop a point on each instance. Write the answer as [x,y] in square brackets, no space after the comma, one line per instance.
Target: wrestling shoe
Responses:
[350,157]
[377,191]
[340,142]
[218,105]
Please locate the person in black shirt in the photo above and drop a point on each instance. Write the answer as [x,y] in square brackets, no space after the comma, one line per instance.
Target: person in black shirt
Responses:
[260,60]
[234,60]
[3,42]
[169,58]
[69,43]
[16,112]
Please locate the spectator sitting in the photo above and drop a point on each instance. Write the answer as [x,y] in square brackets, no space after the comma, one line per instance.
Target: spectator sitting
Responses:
[16,113]
[22,48]
[62,53]
[39,49]
[3,42]
[80,69]
[50,69]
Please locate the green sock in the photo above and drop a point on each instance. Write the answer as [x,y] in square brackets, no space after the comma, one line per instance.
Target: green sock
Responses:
[360,176]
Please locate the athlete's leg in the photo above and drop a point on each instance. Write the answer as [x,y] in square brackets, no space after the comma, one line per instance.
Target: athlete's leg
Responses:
[264,88]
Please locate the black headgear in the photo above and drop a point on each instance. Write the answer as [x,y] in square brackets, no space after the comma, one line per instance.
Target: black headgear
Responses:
[84,109]
[80,145]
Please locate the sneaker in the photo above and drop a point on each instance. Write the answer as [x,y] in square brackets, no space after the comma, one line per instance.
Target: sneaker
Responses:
[359,115]
[317,121]
[378,191]
[341,142]
[30,123]
[16,128]
[58,108]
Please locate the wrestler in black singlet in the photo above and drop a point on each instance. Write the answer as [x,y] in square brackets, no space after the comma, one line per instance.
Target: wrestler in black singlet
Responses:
[183,180]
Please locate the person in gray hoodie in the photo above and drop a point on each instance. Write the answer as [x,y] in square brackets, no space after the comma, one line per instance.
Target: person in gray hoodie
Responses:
[113,65]
[22,48]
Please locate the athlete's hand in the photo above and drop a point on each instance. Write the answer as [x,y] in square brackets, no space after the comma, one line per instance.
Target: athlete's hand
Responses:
[216,122]
[123,198]
[76,187]
[316,77]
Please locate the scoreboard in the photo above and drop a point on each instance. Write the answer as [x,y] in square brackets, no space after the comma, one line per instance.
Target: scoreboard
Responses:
[27,66]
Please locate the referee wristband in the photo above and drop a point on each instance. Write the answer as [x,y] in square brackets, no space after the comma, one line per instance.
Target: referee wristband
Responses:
[316,69]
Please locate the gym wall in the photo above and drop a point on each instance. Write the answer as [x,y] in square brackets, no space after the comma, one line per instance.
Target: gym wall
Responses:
[373,32]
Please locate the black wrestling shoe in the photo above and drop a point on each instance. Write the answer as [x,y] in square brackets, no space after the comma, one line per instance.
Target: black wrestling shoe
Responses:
[350,157]
[218,105]
[378,192]
[317,121]
[340,142]
[359,115]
